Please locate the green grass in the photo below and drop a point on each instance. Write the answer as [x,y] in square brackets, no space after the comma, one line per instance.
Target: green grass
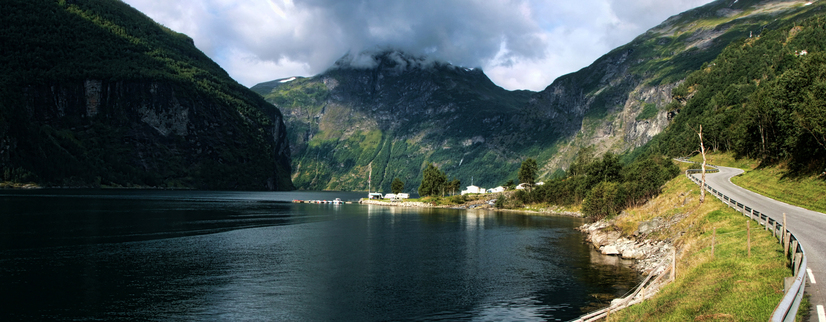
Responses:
[649,111]
[774,181]
[731,286]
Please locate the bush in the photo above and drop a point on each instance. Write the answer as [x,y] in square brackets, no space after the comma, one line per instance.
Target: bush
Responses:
[605,200]
[458,199]
[500,202]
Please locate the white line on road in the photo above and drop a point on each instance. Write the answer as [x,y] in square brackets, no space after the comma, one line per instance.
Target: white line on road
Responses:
[811,277]
[821,315]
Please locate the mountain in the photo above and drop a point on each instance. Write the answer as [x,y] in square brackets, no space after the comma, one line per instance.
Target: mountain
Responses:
[394,113]
[94,93]
[762,97]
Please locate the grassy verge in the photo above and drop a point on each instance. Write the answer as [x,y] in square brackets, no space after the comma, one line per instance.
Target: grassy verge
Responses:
[806,192]
[774,182]
[729,286]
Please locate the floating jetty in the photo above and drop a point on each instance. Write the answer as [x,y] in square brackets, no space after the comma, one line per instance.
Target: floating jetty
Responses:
[335,202]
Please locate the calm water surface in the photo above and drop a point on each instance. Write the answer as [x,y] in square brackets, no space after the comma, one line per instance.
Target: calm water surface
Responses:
[194,255]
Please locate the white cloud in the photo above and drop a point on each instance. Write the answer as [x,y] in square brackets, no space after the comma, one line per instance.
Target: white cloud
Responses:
[521,44]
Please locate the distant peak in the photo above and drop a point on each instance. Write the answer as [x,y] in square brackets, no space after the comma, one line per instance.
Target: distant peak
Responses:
[387,59]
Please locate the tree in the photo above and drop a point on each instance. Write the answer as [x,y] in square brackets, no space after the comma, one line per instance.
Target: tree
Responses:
[527,172]
[510,184]
[433,181]
[454,185]
[397,186]
[605,199]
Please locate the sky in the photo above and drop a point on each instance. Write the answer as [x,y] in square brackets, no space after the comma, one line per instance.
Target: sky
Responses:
[519,44]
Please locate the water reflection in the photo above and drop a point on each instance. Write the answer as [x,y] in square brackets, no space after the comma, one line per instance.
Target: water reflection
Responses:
[249,260]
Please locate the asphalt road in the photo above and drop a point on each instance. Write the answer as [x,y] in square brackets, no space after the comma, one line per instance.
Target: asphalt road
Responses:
[808,226]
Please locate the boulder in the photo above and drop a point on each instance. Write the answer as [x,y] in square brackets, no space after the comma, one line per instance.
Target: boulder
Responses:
[609,250]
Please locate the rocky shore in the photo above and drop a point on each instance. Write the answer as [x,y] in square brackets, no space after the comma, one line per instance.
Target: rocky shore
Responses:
[650,255]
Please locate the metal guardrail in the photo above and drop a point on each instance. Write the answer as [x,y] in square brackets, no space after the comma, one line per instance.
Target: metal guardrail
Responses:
[786,310]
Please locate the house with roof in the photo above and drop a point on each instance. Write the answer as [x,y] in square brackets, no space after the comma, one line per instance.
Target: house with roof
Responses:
[473,189]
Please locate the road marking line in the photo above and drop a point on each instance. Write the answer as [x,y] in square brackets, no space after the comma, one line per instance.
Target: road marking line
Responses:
[821,315]
[811,277]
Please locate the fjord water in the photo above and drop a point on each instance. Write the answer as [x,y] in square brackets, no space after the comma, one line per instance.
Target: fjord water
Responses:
[194,255]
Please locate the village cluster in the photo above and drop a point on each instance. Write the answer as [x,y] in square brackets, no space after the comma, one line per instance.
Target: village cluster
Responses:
[471,189]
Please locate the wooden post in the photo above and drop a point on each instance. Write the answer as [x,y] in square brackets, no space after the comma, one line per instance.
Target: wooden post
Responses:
[713,237]
[748,237]
[793,255]
[774,228]
[765,224]
[674,263]
[785,228]
[798,258]
[785,244]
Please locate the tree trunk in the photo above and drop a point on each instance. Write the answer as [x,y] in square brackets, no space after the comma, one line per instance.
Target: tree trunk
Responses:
[703,151]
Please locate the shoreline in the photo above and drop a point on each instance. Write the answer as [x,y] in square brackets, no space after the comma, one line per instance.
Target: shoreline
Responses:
[470,206]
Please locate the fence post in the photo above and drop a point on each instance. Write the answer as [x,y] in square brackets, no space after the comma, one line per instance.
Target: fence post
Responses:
[766,224]
[798,258]
[748,237]
[785,228]
[785,243]
[713,237]
[674,263]
[793,250]
[774,229]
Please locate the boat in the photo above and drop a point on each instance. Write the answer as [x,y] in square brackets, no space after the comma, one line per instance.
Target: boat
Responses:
[337,201]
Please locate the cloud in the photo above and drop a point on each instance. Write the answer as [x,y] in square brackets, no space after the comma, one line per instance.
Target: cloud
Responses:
[521,44]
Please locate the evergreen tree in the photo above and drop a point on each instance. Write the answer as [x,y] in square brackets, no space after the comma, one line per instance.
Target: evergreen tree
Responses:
[434,181]
[397,186]
[527,172]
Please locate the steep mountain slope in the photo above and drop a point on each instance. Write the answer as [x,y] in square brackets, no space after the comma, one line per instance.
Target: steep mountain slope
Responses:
[763,97]
[393,116]
[95,93]
[394,113]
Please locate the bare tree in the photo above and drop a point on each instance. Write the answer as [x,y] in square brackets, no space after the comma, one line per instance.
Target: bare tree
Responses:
[703,168]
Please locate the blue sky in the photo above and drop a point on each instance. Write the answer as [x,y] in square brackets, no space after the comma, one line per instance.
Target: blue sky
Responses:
[520,44]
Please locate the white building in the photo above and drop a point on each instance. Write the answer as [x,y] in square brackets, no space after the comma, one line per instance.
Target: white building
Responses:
[473,189]
[497,189]
[403,195]
[522,186]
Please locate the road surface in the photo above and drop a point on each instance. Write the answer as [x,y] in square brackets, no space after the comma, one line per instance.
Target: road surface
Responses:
[808,226]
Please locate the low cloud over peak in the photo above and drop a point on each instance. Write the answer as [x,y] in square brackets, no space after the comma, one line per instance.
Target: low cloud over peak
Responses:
[522,44]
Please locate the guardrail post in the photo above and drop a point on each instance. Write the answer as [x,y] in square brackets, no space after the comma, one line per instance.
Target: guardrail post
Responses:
[798,258]
[786,243]
[774,228]
[785,228]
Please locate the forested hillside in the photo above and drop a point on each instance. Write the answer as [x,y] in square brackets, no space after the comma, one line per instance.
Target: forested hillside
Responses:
[764,97]
[95,93]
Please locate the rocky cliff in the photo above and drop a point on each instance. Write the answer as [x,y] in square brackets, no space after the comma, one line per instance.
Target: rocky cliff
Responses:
[96,94]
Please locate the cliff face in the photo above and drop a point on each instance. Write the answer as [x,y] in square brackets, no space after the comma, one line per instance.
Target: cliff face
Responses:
[129,103]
